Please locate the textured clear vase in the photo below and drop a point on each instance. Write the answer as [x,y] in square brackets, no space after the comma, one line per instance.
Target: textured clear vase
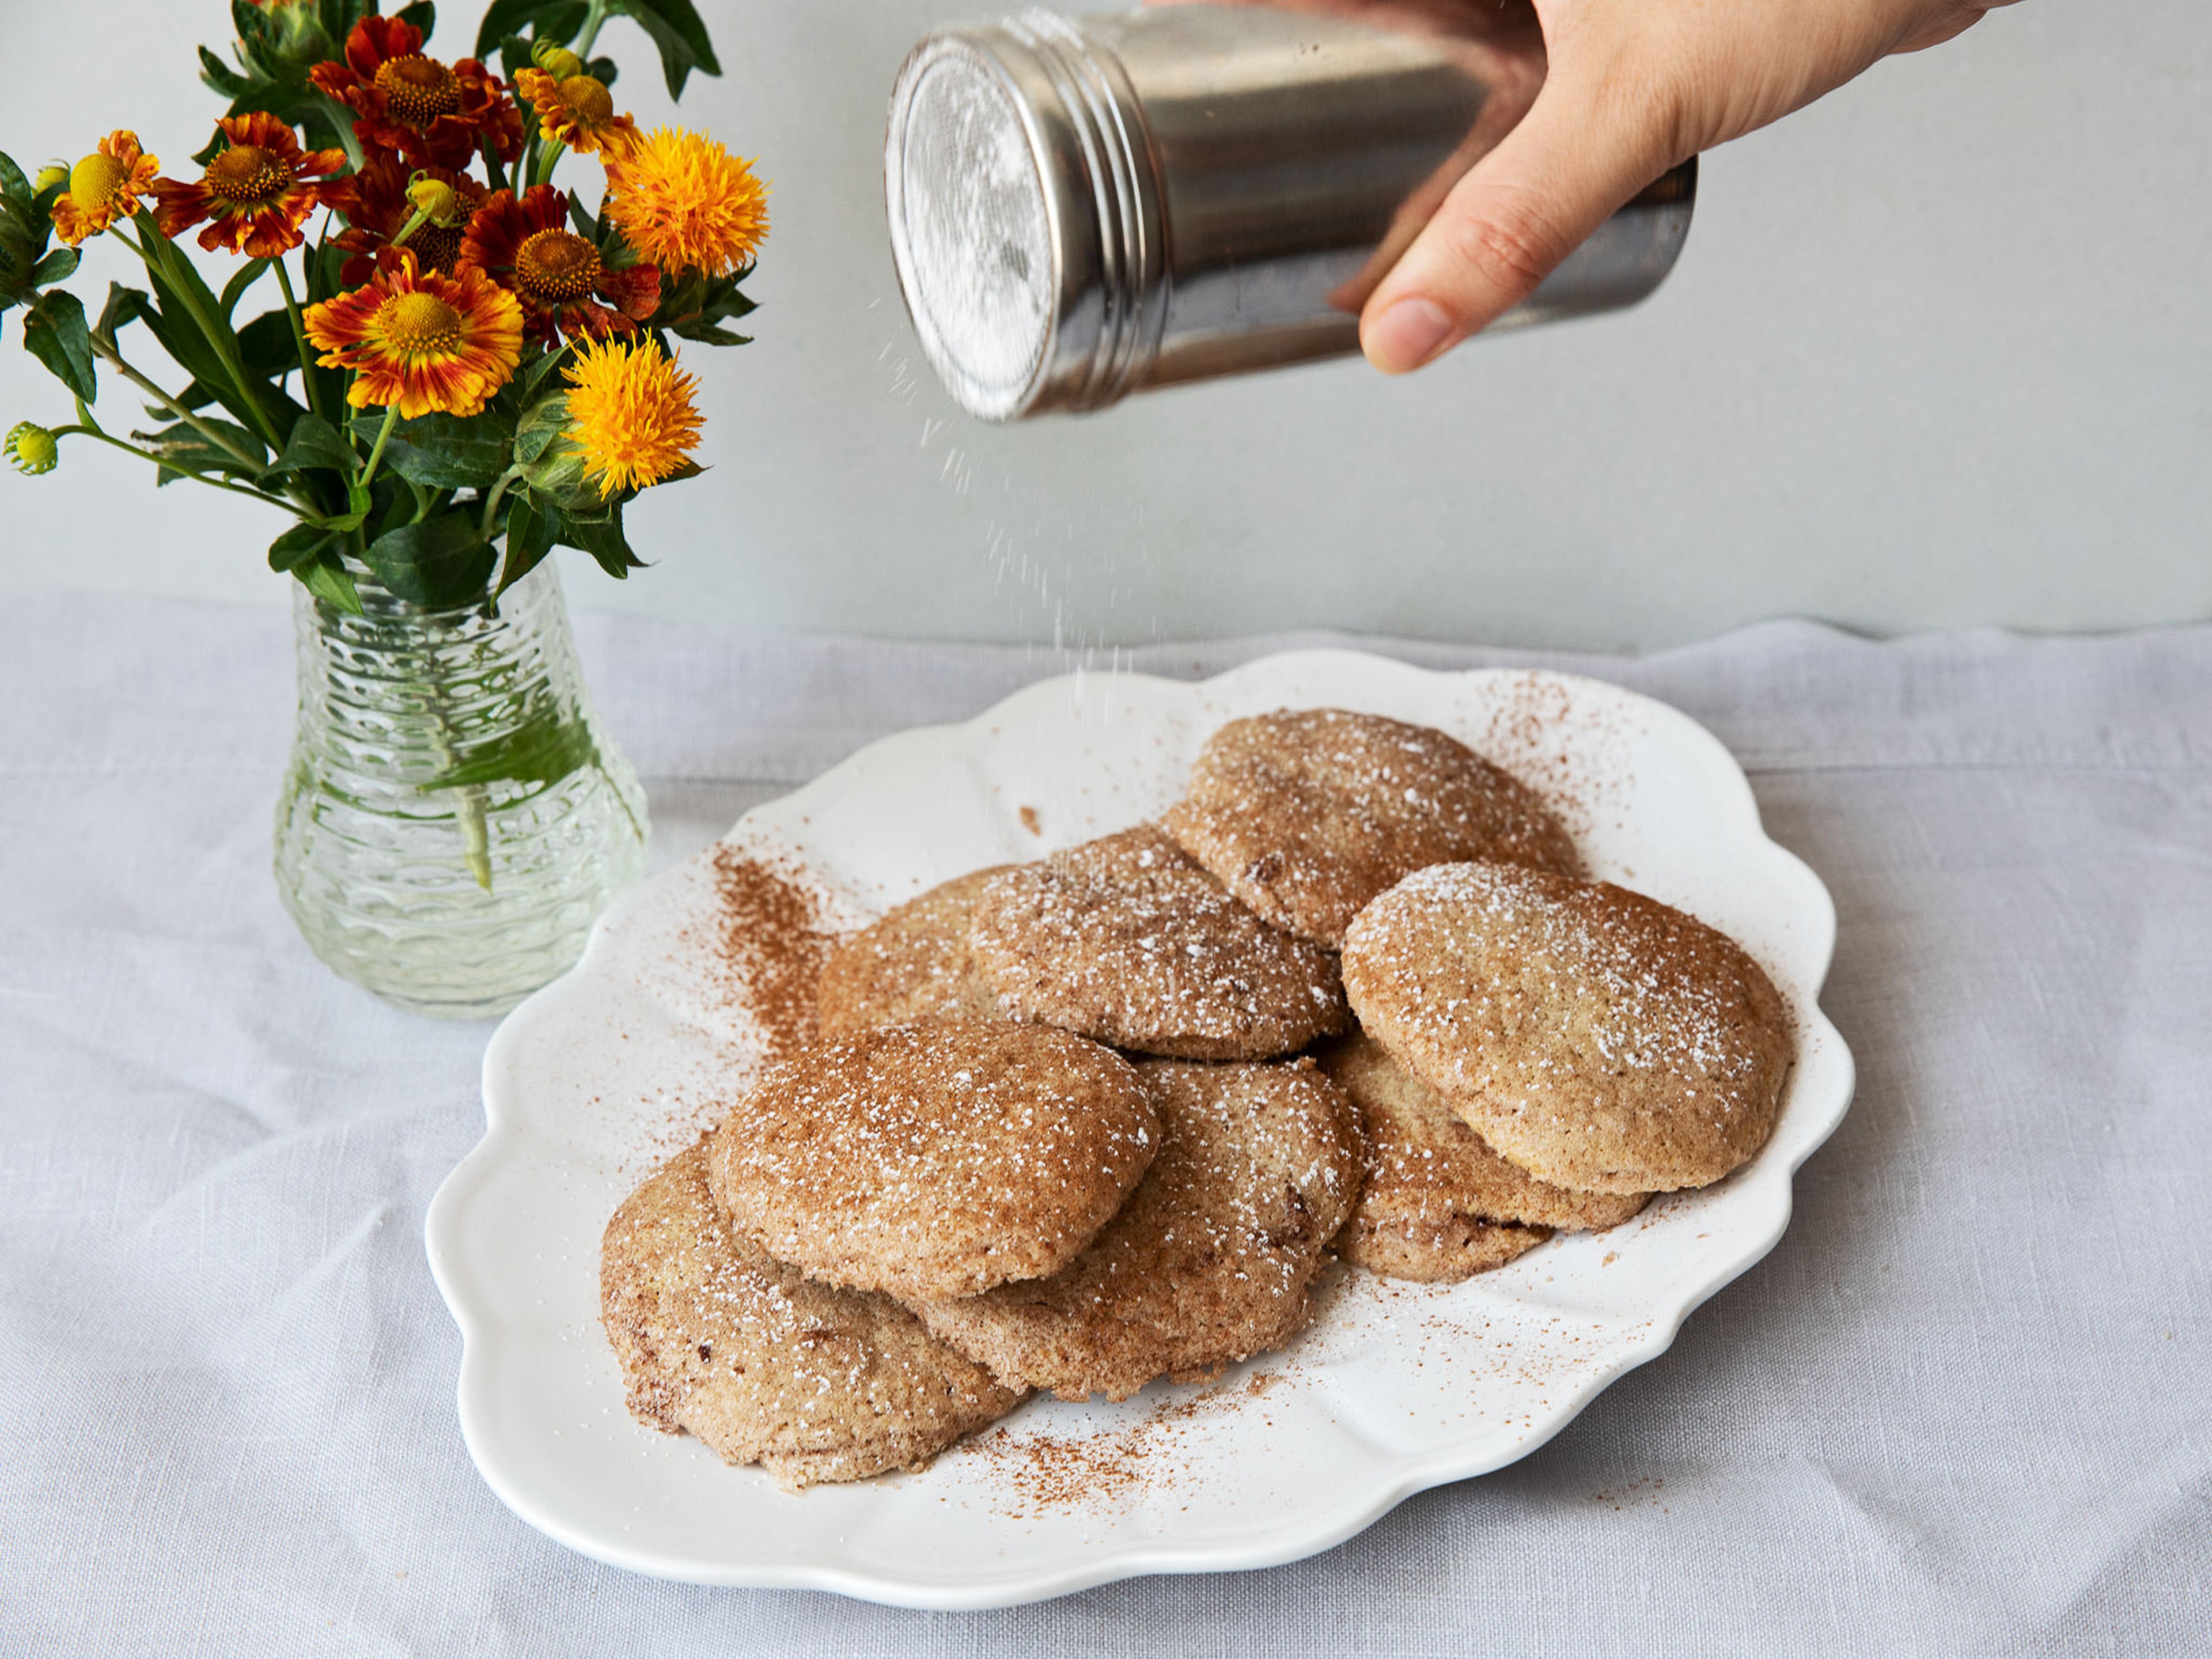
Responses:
[453,817]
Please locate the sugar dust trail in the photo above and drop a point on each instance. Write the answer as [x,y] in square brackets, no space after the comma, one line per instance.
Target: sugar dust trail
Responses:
[1055,557]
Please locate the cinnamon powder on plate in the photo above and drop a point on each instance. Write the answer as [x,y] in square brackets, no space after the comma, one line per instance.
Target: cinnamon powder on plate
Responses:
[771,940]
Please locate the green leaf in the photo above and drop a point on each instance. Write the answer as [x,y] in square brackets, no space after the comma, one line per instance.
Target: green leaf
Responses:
[175,326]
[55,333]
[277,47]
[587,227]
[125,306]
[529,539]
[267,346]
[513,54]
[183,450]
[504,18]
[545,749]
[674,28]
[56,267]
[360,504]
[315,442]
[423,14]
[297,545]
[15,188]
[546,420]
[525,384]
[694,305]
[447,452]
[219,76]
[439,563]
[705,334]
[248,274]
[328,580]
[599,534]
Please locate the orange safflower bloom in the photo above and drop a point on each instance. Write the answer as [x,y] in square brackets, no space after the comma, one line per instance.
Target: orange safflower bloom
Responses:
[527,248]
[686,204]
[377,208]
[578,112]
[630,412]
[431,114]
[257,191]
[105,186]
[425,342]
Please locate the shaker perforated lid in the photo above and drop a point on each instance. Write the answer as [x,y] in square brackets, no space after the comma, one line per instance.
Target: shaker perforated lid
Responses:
[1082,207]
[971,227]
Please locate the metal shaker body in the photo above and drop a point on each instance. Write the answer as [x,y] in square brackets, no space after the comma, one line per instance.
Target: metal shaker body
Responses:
[1081,208]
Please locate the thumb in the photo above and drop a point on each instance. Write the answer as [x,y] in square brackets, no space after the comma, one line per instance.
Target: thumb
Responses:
[1581,151]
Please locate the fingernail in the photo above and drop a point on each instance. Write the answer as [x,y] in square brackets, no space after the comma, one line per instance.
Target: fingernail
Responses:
[1407,336]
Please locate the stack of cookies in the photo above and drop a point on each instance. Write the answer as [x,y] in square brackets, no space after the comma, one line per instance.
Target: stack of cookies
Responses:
[1077,1124]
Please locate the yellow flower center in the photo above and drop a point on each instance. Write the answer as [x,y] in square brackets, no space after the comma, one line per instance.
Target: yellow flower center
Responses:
[245,175]
[419,325]
[556,264]
[417,90]
[588,100]
[95,180]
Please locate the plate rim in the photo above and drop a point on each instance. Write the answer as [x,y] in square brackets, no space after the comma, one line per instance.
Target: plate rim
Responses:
[1405,1476]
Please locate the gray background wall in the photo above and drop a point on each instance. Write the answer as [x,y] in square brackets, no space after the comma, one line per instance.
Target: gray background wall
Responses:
[1938,352]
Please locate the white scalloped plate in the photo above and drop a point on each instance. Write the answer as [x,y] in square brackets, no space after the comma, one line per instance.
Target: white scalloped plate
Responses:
[1395,1388]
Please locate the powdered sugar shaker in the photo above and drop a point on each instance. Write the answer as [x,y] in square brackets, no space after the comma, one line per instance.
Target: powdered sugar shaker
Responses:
[1084,207]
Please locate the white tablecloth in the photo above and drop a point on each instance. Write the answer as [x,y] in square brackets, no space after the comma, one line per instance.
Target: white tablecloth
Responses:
[1964,1407]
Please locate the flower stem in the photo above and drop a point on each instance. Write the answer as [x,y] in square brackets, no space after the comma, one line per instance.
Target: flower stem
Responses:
[383,435]
[299,336]
[217,338]
[498,494]
[594,20]
[213,434]
[87,427]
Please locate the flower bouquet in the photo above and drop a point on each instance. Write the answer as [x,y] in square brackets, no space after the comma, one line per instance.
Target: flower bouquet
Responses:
[462,365]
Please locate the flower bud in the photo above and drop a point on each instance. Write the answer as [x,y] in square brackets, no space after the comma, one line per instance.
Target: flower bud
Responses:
[556,60]
[548,459]
[434,200]
[51,176]
[31,448]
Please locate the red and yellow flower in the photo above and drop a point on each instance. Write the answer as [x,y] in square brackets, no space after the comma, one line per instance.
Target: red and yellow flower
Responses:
[526,247]
[425,342]
[578,111]
[433,114]
[106,186]
[686,204]
[631,412]
[257,191]
[378,207]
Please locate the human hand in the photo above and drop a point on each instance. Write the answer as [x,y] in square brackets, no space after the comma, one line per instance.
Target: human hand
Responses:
[1634,88]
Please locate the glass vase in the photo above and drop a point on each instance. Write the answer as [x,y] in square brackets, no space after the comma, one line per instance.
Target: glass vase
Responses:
[453,817]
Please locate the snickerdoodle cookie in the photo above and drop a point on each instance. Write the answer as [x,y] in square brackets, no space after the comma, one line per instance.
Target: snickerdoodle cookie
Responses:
[1212,1258]
[913,965]
[1600,1039]
[1129,940]
[1307,814]
[937,1159]
[1439,1204]
[764,1365]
